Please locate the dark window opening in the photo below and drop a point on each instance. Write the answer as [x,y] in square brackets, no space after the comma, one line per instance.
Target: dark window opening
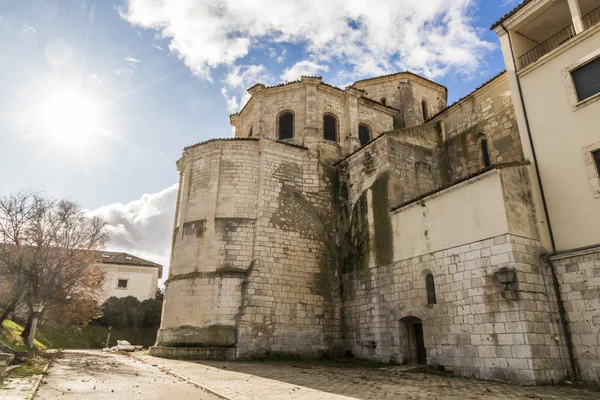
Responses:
[364,134]
[250,133]
[425,111]
[485,154]
[596,155]
[329,127]
[286,126]
[430,287]
[122,284]
[383,101]
[587,80]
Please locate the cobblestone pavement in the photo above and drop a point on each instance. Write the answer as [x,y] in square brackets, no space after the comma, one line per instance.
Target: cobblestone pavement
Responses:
[18,388]
[337,381]
[96,375]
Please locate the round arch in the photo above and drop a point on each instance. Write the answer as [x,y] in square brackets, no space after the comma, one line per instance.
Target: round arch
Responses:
[285,125]
[330,127]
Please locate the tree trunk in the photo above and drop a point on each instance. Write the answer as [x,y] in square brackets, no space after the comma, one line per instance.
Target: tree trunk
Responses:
[9,308]
[25,333]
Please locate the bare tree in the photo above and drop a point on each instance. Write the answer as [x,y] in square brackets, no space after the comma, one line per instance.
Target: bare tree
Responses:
[47,248]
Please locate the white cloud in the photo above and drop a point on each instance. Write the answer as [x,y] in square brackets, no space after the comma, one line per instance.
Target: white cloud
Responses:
[29,30]
[245,76]
[306,68]
[433,37]
[232,103]
[239,79]
[125,71]
[132,60]
[509,3]
[143,227]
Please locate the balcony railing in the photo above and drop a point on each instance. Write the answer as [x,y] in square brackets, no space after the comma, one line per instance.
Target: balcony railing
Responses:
[591,19]
[547,46]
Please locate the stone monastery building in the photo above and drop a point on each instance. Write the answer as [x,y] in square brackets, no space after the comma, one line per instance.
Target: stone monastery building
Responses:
[377,222]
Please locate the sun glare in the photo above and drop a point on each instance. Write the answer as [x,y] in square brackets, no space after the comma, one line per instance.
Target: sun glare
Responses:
[70,118]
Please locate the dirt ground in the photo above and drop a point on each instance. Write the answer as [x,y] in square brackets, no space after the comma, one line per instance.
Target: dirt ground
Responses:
[96,375]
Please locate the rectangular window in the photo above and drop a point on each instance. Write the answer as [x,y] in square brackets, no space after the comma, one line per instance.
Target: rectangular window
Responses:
[587,79]
[596,156]
[122,284]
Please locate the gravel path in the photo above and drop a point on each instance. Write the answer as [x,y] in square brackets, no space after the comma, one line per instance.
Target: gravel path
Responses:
[96,375]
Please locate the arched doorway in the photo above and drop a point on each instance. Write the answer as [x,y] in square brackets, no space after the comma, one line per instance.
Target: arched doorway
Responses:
[411,333]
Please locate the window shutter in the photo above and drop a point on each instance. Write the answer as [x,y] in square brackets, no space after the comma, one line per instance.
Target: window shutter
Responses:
[587,79]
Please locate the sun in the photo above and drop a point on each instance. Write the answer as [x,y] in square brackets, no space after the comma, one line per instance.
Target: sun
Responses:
[70,118]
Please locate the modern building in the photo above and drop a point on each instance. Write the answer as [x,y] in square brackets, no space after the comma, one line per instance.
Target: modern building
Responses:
[552,53]
[127,275]
[377,222]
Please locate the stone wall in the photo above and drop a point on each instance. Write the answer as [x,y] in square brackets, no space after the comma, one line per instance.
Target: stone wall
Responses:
[290,303]
[475,328]
[252,267]
[309,100]
[405,92]
[578,273]
[487,112]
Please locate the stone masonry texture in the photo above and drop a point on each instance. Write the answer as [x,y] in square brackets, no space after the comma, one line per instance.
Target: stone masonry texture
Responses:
[313,247]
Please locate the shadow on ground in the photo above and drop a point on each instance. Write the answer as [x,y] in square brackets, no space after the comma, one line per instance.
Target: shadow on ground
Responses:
[363,380]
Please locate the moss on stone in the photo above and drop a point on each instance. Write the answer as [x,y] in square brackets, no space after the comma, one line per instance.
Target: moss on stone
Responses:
[384,246]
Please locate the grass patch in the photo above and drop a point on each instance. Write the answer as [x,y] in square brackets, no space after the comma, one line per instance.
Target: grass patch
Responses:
[10,335]
[25,370]
[88,337]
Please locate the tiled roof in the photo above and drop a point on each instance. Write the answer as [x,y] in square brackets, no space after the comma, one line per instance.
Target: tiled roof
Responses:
[510,13]
[111,257]
[462,98]
[400,73]
[378,102]
[241,139]
[217,140]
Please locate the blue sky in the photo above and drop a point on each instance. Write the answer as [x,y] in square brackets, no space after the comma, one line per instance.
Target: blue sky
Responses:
[98,98]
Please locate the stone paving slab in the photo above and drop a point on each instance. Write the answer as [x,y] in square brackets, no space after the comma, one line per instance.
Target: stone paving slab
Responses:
[338,381]
[19,388]
[93,375]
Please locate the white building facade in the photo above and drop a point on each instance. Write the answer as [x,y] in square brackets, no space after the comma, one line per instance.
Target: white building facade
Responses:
[128,275]
[552,54]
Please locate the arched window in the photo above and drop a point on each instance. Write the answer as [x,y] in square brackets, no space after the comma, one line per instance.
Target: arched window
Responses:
[364,134]
[250,133]
[430,287]
[285,125]
[383,101]
[425,110]
[330,127]
[482,143]
[485,154]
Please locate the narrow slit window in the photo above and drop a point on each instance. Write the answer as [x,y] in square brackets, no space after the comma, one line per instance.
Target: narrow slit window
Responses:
[286,126]
[425,110]
[485,154]
[364,134]
[329,127]
[250,132]
[430,287]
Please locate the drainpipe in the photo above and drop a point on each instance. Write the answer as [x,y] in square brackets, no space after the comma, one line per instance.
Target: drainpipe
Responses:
[556,284]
